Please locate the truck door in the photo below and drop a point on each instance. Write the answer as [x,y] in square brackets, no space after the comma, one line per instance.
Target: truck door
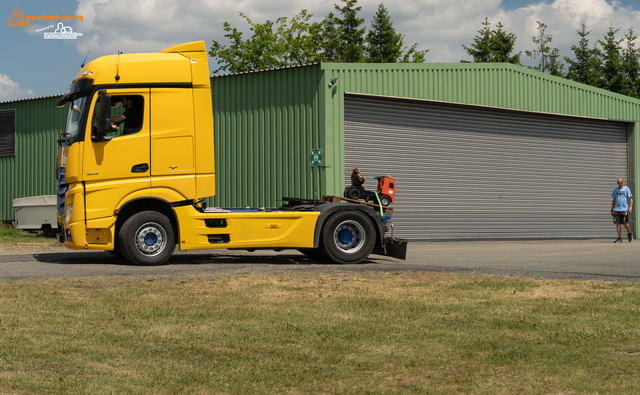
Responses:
[116,168]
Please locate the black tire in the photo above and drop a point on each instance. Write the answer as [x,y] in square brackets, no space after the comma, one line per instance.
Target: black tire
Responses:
[147,239]
[116,251]
[347,237]
[354,194]
[385,200]
[47,231]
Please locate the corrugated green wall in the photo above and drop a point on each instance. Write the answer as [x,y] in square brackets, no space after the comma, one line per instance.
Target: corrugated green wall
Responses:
[266,122]
[497,85]
[265,125]
[39,125]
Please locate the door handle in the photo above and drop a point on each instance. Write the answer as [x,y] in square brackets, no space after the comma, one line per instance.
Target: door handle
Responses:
[141,168]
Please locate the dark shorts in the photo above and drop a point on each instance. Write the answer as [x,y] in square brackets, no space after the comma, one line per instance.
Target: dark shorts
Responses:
[620,217]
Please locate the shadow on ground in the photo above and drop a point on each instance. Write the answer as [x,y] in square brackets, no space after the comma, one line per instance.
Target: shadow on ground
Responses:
[103,258]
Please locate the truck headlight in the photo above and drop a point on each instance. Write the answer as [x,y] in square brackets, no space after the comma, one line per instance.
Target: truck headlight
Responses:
[67,216]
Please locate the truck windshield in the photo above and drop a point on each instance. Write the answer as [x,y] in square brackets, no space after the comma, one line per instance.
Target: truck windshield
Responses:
[77,114]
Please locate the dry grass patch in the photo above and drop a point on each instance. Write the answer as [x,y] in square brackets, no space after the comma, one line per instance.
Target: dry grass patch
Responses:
[344,333]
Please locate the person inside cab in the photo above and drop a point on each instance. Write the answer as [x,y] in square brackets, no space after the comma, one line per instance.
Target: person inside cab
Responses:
[131,117]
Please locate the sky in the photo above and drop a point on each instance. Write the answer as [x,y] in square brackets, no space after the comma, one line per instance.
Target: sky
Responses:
[33,64]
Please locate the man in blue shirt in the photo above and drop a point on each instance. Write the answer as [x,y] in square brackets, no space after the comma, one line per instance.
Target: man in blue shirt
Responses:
[621,206]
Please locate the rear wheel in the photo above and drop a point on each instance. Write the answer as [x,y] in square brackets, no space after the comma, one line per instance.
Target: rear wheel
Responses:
[147,239]
[347,237]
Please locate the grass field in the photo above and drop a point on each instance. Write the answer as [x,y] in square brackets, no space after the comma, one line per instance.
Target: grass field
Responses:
[8,235]
[292,333]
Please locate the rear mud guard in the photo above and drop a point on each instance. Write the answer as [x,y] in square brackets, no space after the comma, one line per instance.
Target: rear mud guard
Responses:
[395,248]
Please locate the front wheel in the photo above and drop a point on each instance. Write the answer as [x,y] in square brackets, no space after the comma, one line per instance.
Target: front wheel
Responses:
[116,251]
[385,200]
[147,239]
[347,237]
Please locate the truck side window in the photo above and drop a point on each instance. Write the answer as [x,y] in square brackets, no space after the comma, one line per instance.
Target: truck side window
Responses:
[126,114]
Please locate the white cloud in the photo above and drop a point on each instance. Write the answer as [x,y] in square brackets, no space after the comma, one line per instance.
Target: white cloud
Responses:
[10,90]
[442,26]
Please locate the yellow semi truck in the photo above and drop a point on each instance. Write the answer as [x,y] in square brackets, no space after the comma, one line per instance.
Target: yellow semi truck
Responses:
[136,189]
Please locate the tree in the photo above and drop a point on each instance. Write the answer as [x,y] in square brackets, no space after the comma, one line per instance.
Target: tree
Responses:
[587,67]
[613,67]
[298,41]
[292,43]
[385,45]
[548,56]
[631,66]
[331,39]
[350,35]
[413,55]
[493,46]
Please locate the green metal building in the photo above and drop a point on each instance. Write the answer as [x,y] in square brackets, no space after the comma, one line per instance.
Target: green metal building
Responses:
[29,130]
[477,150]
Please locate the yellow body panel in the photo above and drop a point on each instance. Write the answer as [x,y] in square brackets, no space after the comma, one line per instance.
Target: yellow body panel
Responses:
[75,222]
[74,159]
[101,233]
[114,159]
[247,229]
[165,160]
[205,184]
[141,68]
[186,48]
[244,229]
[170,189]
[99,236]
[105,197]
[205,168]
[173,141]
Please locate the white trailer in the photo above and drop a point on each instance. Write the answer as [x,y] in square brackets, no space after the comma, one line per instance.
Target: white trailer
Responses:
[36,213]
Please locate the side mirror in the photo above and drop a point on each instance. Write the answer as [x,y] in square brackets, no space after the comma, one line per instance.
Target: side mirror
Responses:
[104,126]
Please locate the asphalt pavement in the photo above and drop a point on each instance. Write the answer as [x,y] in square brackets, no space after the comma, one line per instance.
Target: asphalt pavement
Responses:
[594,259]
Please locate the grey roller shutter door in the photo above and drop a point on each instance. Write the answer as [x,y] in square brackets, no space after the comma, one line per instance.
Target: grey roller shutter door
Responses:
[470,172]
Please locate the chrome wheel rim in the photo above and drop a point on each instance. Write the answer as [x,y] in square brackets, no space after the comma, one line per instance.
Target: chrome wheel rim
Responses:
[151,239]
[349,237]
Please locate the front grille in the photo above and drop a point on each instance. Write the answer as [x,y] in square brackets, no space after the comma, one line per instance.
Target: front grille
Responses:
[215,223]
[62,189]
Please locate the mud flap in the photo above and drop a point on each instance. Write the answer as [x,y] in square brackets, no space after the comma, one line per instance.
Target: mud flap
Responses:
[396,248]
